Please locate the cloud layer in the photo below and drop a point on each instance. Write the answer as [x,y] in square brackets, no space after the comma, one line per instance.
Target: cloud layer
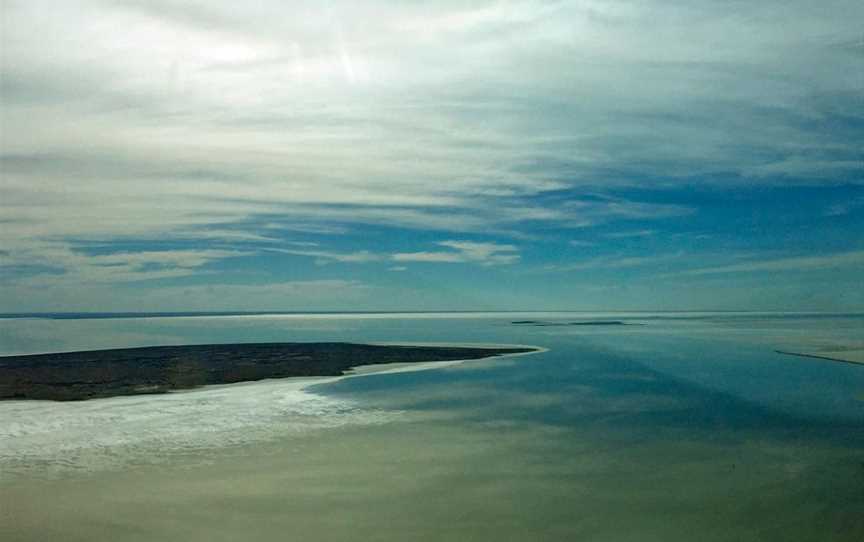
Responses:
[235,128]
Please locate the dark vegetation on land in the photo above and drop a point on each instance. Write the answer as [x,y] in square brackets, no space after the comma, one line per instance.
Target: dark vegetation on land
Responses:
[588,323]
[90,374]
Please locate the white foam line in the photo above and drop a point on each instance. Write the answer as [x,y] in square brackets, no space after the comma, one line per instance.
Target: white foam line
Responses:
[397,367]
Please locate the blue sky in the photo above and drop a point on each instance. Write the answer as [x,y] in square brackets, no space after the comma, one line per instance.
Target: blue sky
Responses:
[168,155]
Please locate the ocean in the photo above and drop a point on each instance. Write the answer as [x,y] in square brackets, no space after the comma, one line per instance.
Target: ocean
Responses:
[678,426]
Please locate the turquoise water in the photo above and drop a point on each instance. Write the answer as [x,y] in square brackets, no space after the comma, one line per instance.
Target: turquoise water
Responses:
[684,424]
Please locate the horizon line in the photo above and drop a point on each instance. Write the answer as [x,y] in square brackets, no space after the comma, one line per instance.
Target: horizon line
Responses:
[157,314]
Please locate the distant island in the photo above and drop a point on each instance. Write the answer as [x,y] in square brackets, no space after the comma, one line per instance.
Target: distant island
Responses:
[855,356]
[586,323]
[75,376]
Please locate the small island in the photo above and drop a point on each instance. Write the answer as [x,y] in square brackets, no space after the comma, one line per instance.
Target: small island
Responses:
[584,323]
[75,376]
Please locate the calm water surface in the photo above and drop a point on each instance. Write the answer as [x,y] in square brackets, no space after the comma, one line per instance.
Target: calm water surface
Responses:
[686,427]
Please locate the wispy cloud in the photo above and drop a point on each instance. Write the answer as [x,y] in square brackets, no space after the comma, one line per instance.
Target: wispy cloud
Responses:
[795,263]
[616,262]
[426,122]
[628,234]
[53,263]
[324,256]
[461,252]
[465,251]
[137,123]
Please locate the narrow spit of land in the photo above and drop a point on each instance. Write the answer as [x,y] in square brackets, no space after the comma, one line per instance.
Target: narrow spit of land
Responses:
[855,357]
[75,376]
[587,323]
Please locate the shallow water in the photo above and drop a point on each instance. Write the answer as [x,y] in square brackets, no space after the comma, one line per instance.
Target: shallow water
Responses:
[682,428]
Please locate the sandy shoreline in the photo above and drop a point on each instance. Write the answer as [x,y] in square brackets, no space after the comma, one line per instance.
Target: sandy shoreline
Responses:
[300,383]
[303,382]
[385,368]
[45,438]
[91,374]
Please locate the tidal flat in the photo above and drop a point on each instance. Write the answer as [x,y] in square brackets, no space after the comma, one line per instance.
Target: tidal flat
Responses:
[430,479]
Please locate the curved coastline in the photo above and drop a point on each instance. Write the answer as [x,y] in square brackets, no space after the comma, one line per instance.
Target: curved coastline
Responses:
[76,376]
[387,368]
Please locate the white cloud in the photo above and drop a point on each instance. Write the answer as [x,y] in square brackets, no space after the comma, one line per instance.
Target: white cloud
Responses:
[616,262]
[853,258]
[492,253]
[324,256]
[462,252]
[56,264]
[465,252]
[436,257]
[629,234]
[155,120]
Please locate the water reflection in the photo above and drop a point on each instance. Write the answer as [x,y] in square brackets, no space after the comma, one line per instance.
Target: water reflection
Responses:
[668,431]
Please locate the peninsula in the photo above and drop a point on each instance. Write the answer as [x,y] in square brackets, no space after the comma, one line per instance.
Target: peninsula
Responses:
[74,376]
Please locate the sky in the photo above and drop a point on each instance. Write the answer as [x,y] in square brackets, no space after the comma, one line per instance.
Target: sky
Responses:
[167,155]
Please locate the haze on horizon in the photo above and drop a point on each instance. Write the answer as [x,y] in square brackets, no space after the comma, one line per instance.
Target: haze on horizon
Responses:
[163,155]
